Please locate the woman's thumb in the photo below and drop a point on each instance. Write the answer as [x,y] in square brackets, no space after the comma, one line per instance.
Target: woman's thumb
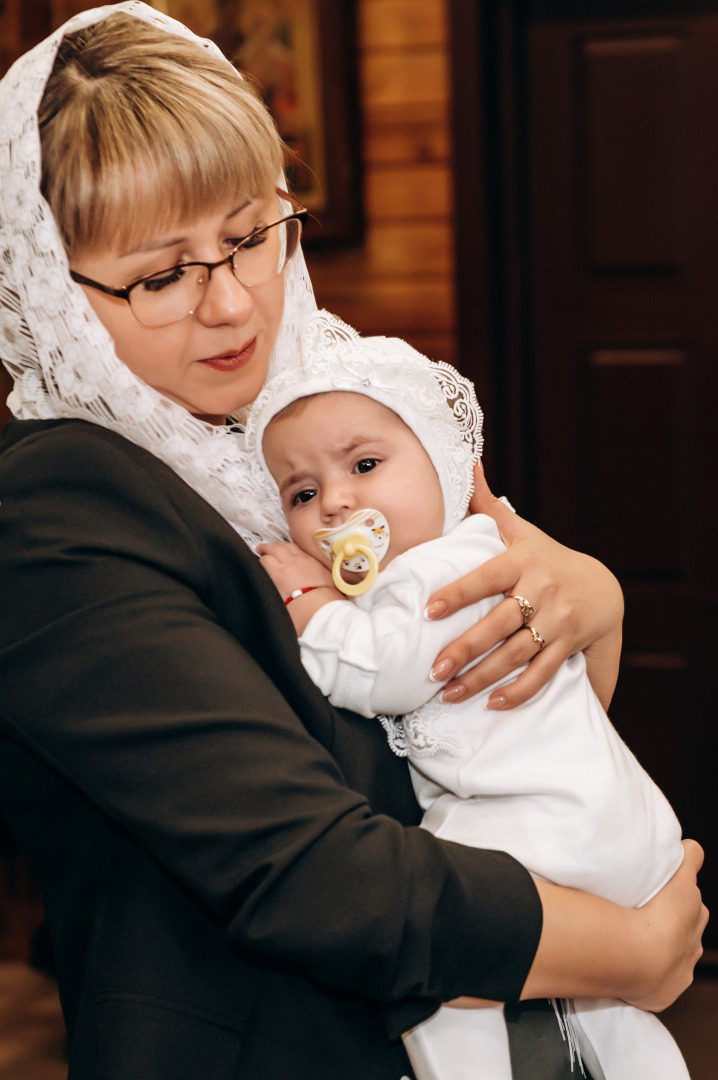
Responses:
[483,501]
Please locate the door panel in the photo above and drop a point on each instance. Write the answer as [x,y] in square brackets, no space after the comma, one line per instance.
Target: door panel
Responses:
[588,206]
[623,203]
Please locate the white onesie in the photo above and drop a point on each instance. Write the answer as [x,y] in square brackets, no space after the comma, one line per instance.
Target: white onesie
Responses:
[550,782]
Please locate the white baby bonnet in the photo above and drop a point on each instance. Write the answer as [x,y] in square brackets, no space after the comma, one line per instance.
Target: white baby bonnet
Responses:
[432,398]
[60,356]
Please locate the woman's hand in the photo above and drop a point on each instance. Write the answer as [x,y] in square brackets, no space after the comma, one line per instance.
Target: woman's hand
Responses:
[674,922]
[591,948]
[578,606]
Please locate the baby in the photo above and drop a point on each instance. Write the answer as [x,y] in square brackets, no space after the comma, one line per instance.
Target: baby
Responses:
[370,430]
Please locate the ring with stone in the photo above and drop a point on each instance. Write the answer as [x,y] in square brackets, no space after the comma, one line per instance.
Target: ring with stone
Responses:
[527,608]
[540,641]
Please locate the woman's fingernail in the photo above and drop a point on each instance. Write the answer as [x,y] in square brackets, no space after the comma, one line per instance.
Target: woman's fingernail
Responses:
[496,701]
[454,693]
[435,610]
[442,671]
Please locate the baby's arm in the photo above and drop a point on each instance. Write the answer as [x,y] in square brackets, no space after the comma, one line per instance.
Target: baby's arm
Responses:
[374,656]
[291,569]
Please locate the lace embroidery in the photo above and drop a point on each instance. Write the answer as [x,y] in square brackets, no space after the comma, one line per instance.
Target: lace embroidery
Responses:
[64,364]
[62,359]
[425,732]
[430,730]
[433,399]
[394,728]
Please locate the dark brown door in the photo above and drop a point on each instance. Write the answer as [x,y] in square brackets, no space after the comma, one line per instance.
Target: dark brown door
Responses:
[601,135]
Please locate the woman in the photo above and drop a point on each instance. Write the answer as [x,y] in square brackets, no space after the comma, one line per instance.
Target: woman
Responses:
[228,867]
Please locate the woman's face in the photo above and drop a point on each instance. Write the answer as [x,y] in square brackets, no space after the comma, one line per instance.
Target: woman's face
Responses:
[214,360]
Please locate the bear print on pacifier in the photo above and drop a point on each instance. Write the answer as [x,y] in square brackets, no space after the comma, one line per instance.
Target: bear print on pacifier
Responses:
[357,546]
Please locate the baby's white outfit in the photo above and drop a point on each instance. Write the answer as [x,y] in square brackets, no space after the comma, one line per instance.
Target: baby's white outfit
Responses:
[550,782]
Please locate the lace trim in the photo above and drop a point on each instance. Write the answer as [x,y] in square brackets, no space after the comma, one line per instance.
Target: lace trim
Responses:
[64,364]
[431,729]
[436,402]
[425,732]
[394,728]
[60,356]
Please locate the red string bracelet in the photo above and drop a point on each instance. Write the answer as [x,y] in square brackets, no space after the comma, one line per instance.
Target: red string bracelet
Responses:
[300,592]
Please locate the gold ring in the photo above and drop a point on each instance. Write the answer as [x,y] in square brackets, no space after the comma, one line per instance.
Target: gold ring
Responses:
[540,641]
[527,609]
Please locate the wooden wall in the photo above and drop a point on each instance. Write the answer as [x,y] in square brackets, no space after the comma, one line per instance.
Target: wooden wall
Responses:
[401,280]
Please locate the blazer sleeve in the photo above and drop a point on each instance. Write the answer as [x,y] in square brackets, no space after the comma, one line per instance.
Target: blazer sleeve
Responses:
[119,674]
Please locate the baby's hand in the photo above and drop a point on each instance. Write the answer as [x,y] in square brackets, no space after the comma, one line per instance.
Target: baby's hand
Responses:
[291,568]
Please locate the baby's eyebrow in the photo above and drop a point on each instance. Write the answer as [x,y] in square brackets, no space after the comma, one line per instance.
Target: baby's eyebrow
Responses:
[290,481]
[357,441]
[340,451]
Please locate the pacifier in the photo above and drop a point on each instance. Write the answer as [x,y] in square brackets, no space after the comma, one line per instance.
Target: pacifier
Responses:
[357,545]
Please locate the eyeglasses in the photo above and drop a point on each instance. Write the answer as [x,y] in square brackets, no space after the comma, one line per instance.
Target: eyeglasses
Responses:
[169,295]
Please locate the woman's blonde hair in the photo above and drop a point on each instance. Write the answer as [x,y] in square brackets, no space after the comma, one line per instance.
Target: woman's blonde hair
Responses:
[141,128]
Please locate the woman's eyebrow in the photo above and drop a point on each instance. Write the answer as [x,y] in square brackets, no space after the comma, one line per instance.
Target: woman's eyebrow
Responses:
[154,245]
[233,213]
[171,241]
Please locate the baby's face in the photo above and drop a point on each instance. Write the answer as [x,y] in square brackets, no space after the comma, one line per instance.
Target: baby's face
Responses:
[340,452]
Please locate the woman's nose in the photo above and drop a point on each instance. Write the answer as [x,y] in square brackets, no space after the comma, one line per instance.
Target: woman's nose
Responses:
[225,299]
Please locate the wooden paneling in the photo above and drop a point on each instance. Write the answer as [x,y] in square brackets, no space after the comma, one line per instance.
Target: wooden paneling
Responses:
[399,141]
[397,24]
[401,280]
[632,158]
[623,166]
[623,446]
[403,192]
[420,78]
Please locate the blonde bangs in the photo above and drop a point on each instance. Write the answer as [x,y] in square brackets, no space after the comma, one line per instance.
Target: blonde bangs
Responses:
[130,148]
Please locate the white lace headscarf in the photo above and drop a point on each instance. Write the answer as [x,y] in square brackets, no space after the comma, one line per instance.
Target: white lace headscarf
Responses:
[437,403]
[60,356]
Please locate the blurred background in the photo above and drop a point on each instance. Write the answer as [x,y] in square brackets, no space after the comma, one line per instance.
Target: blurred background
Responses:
[527,189]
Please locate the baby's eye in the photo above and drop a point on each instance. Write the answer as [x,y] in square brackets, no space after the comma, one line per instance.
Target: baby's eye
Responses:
[304,496]
[366,464]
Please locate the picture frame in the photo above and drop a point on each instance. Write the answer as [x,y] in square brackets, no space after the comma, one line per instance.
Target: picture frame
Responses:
[301,55]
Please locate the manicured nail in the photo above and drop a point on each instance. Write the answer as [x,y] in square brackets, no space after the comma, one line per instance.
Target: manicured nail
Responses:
[442,671]
[454,693]
[496,701]
[435,610]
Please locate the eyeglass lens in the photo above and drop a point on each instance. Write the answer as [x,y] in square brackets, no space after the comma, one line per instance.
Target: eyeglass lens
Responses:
[168,296]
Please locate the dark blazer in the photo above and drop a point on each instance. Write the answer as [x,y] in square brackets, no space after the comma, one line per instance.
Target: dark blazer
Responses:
[231,870]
